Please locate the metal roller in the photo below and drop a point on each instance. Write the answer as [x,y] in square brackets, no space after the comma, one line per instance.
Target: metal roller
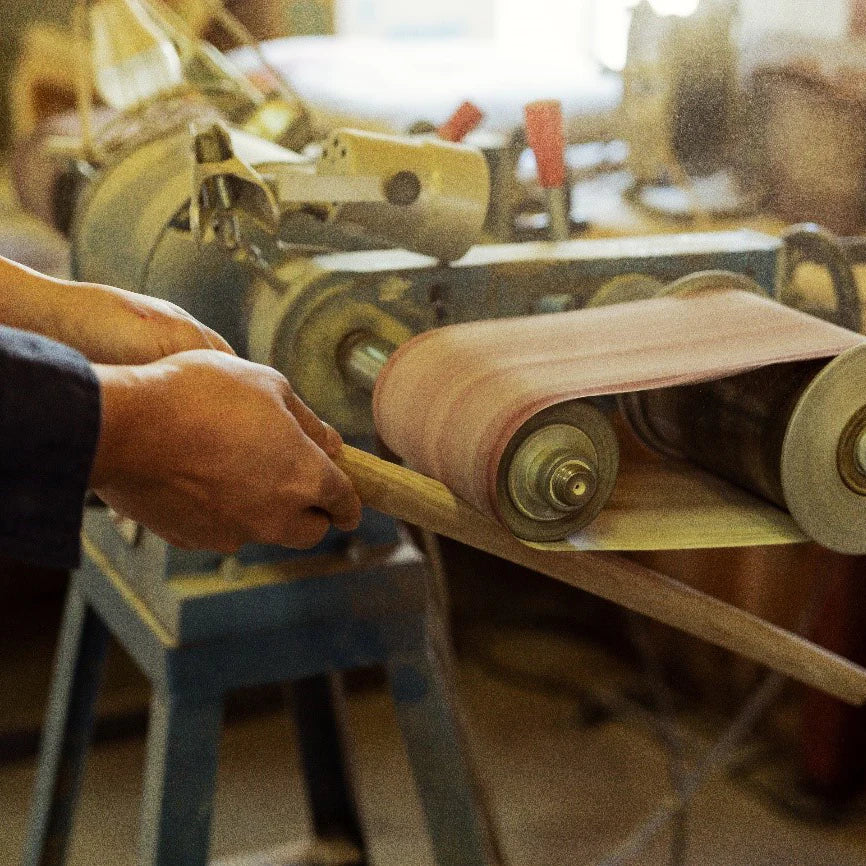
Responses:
[556,472]
[639,287]
[624,288]
[823,465]
[792,433]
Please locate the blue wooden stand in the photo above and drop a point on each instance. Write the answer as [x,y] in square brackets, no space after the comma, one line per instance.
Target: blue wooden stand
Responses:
[199,635]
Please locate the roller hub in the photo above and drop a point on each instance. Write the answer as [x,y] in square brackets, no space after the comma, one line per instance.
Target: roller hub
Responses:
[571,483]
[557,472]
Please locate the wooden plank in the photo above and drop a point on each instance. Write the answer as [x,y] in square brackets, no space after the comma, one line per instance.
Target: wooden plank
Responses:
[426,503]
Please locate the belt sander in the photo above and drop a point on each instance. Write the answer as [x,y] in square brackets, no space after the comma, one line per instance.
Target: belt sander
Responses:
[496,369]
[269,248]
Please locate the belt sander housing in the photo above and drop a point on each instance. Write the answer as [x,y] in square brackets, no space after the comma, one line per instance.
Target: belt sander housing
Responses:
[301,315]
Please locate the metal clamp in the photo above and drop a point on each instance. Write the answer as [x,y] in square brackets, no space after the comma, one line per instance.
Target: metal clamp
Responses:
[224,187]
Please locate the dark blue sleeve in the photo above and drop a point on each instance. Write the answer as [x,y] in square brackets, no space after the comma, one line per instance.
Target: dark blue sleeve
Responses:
[49,427]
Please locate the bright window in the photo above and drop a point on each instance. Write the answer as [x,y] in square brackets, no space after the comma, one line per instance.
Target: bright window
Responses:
[537,29]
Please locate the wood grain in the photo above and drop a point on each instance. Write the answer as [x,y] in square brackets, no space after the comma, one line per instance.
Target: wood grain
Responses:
[428,504]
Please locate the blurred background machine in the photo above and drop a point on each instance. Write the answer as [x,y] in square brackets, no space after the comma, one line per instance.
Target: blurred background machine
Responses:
[697,125]
[668,119]
[292,265]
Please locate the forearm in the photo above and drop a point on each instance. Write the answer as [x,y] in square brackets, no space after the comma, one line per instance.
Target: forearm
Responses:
[106,324]
[30,301]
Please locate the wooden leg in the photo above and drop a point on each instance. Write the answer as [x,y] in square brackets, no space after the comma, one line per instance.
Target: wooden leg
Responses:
[62,754]
[180,778]
[319,718]
[460,824]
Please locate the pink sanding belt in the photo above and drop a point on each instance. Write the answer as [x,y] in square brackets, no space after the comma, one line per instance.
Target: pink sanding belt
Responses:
[448,401]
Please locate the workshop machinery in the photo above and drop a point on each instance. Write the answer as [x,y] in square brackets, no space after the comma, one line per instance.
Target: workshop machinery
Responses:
[321,263]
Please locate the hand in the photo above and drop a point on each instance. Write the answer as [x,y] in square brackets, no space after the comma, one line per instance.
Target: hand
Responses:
[105,324]
[211,452]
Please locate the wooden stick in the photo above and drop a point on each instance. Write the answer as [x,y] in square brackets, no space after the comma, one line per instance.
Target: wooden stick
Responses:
[428,504]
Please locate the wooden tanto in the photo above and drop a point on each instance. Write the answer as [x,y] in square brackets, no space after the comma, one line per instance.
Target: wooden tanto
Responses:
[426,503]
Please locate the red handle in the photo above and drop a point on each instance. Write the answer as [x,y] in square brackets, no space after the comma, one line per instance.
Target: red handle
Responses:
[544,132]
[461,123]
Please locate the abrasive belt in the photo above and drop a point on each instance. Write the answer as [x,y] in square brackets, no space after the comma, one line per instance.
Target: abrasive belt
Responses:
[449,400]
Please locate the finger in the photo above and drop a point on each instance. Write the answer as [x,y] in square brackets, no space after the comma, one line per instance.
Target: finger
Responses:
[348,524]
[176,539]
[188,530]
[328,488]
[307,530]
[228,545]
[320,432]
[218,542]
[347,515]
[335,441]
[339,498]
[215,341]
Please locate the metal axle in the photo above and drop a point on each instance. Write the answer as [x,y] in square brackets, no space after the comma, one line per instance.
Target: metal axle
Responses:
[362,357]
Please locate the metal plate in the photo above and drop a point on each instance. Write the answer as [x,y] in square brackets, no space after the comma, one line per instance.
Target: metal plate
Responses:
[819,500]
[661,504]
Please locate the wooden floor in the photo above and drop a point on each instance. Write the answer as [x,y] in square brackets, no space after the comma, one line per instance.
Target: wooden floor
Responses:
[564,792]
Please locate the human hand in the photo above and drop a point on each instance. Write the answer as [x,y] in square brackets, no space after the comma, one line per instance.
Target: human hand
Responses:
[107,325]
[210,452]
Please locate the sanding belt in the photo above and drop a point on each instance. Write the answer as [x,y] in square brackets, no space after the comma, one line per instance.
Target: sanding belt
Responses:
[449,400]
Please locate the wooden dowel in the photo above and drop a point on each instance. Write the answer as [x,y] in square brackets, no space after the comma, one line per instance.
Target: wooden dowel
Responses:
[428,504]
